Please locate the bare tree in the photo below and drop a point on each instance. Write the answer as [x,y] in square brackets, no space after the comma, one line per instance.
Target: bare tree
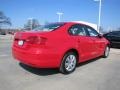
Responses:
[4,20]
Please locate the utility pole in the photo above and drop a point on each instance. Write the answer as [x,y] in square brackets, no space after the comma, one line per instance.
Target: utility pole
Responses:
[99,18]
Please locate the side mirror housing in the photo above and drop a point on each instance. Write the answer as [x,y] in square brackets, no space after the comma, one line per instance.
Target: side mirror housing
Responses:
[100,35]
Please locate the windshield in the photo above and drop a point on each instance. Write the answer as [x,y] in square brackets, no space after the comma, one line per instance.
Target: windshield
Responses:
[48,27]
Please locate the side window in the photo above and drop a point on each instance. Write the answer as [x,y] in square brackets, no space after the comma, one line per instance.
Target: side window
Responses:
[92,32]
[77,30]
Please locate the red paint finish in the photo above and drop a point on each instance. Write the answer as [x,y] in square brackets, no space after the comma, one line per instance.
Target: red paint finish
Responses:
[46,49]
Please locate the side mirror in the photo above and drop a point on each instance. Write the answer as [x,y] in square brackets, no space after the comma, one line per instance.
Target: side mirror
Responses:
[100,35]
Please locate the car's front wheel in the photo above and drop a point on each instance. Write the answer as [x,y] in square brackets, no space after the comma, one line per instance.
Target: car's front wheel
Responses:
[68,63]
[106,52]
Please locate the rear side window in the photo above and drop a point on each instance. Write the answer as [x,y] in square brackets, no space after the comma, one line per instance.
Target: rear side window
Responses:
[77,30]
[49,27]
[92,32]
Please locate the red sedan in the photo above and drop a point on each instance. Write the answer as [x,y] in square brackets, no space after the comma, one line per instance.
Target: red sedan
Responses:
[59,45]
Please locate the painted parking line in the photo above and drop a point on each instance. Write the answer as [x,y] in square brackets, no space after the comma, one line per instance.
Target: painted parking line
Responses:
[3,55]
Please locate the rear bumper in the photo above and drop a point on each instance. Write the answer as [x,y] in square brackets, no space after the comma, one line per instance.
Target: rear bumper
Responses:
[39,58]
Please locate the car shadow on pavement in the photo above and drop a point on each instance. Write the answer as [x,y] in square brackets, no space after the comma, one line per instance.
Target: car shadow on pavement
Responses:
[40,71]
[51,71]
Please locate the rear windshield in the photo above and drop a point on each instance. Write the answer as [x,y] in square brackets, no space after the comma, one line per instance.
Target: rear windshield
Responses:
[48,27]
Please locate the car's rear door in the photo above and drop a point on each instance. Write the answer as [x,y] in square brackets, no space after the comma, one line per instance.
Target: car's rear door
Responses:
[83,42]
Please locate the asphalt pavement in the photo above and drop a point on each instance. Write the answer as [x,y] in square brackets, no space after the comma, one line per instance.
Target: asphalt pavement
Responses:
[97,74]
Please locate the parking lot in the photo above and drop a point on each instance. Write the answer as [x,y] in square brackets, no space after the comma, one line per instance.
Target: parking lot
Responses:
[98,74]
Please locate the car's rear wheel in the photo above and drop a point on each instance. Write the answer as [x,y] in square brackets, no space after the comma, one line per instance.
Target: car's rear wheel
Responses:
[106,52]
[68,63]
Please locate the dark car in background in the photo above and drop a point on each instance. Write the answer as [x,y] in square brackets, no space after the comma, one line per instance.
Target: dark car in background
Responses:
[114,38]
[2,33]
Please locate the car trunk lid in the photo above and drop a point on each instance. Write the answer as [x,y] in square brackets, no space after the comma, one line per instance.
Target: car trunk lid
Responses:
[31,38]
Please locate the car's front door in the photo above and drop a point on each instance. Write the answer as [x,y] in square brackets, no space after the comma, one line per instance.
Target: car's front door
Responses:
[98,41]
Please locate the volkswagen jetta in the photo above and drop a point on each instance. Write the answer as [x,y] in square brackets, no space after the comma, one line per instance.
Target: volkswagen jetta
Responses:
[59,45]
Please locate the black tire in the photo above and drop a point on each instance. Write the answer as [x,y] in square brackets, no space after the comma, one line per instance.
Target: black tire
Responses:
[67,66]
[106,52]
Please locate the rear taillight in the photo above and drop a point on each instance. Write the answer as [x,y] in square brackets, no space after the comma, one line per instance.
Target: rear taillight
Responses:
[36,40]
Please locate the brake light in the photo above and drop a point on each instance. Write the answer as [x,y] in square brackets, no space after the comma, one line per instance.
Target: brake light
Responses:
[36,40]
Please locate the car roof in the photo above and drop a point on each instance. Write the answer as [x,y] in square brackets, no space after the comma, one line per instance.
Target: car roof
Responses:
[67,23]
[72,22]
